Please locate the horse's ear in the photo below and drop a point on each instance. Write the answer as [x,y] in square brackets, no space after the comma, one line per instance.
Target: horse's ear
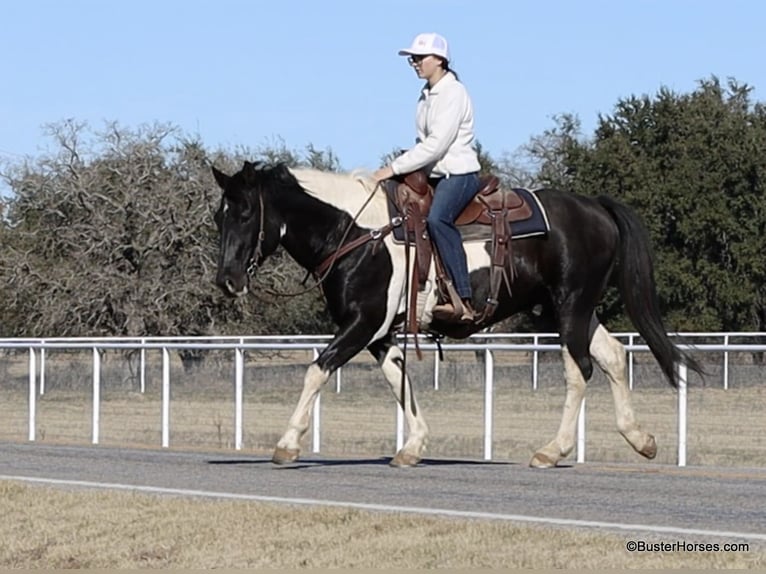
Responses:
[221,178]
[282,171]
[249,171]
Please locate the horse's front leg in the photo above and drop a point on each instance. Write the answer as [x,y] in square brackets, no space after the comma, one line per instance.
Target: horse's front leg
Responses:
[391,361]
[288,447]
[347,343]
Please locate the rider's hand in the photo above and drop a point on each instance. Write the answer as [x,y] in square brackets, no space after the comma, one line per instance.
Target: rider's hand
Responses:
[383,173]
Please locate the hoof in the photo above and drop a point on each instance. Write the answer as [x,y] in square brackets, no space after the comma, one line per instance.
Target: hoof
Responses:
[285,455]
[541,461]
[403,460]
[650,448]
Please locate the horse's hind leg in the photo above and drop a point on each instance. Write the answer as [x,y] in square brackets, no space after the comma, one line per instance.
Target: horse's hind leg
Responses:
[577,368]
[609,355]
[391,361]
[564,442]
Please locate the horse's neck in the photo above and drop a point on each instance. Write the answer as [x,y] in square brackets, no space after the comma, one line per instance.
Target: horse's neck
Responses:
[309,228]
[318,213]
[346,193]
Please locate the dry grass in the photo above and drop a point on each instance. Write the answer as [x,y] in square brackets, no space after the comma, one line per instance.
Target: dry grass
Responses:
[46,528]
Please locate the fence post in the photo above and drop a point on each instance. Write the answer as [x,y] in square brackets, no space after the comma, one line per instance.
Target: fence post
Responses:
[726,363]
[42,369]
[488,391]
[682,372]
[165,397]
[32,393]
[630,363]
[581,433]
[239,368]
[143,367]
[315,442]
[534,364]
[436,369]
[96,394]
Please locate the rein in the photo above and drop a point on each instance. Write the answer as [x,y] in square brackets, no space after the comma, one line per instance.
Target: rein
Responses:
[252,265]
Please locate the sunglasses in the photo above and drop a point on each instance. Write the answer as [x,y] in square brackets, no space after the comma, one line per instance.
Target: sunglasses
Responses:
[416,59]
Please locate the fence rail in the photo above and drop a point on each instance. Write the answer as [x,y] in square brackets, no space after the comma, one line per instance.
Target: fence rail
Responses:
[630,340]
[483,343]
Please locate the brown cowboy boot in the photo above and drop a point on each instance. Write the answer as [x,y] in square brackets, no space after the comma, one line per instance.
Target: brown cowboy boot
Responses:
[464,312]
[469,315]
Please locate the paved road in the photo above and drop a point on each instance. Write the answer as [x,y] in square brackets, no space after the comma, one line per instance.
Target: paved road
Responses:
[684,501]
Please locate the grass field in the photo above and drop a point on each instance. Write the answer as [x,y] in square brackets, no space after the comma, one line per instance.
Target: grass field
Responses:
[46,528]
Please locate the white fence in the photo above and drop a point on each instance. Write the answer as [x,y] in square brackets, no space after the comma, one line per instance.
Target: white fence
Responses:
[484,342]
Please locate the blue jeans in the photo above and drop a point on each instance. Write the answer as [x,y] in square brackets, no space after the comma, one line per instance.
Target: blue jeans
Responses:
[451,195]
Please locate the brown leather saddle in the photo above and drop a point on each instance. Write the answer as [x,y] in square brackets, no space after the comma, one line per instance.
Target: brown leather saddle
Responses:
[490,201]
[493,206]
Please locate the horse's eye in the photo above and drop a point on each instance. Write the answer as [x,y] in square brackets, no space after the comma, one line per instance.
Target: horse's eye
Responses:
[245,213]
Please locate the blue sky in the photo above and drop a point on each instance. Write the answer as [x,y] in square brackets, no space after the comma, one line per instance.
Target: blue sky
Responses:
[245,73]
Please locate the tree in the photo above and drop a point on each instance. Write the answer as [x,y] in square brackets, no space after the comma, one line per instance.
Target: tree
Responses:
[113,234]
[543,160]
[693,165]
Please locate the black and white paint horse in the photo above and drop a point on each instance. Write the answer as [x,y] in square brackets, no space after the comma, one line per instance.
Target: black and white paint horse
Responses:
[565,273]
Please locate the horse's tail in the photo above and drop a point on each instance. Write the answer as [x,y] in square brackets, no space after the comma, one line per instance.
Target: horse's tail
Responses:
[635,271]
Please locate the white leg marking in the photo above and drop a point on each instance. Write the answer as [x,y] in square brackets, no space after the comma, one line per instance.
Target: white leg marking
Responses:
[609,355]
[564,442]
[299,421]
[413,449]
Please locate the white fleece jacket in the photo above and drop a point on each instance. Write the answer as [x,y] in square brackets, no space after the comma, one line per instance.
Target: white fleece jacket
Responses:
[444,123]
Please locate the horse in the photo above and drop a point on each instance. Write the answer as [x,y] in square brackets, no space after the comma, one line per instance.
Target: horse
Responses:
[561,276]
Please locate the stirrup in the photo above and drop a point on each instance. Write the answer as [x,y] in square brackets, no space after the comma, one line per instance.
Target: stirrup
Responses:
[447,312]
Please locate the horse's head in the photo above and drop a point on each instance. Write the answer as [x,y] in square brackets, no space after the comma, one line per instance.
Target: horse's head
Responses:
[248,233]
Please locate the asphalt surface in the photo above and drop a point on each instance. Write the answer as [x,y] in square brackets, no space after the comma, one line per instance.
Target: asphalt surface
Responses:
[720,500]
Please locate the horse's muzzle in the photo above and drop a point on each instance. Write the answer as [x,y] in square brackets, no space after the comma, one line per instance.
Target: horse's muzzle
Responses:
[233,285]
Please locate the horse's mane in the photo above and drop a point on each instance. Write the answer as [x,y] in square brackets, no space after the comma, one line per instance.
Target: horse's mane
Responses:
[346,191]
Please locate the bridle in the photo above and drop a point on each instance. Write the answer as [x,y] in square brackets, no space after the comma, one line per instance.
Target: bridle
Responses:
[323,269]
[252,264]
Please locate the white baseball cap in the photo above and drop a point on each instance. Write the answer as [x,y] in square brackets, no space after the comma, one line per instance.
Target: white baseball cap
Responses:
[426,44]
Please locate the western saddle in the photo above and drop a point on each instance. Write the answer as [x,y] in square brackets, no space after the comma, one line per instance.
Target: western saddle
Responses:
[493,206]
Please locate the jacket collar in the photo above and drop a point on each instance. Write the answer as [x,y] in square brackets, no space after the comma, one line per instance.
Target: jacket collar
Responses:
[443,82]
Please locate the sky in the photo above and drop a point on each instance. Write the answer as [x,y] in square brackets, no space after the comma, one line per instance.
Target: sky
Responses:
[239,73]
